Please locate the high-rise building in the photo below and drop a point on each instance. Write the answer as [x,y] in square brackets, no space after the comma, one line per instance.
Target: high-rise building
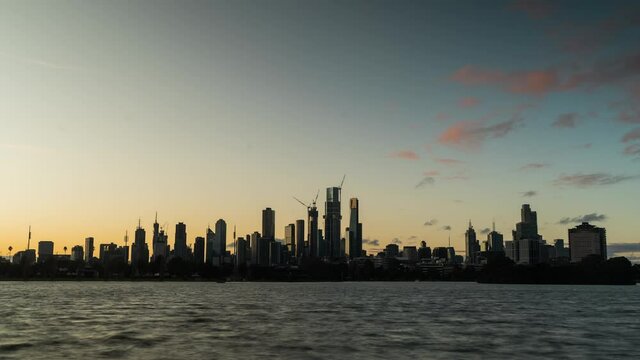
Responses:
[299,251]
[586,239]
[139,250]
[45,250]
[255,248]
[332,220]
[158,242]
[77,253]
[220,242]
[290,237]
[354,232]
[268,224]
[471,245]
[392,250]
[88,249]
[526,240]
[241,252]
[495,241]
[313,242]
[180,245]
[411,253]
[424,252]
[210,240]
[198,250]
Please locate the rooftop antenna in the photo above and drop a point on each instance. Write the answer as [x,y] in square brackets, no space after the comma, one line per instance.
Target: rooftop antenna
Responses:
[234,232]
[494,225]
[126,237]
[29,239]
[139,222]
[449,238]
[156,216]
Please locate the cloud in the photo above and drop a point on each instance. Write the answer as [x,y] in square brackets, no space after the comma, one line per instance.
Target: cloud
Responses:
[632,150]
[631,135]
[447,161]
[442,117]
[530,193]
[593,217]
[532,166]
[567,120]
[628,108]
[485,231]
[396,241]
[406,155]
[431,173]
[589,180]
[371,242]
[535,9]
[446,227]
[431,222]
[468,102]
[412,237]
[623,248]
[427,180]
[467,134]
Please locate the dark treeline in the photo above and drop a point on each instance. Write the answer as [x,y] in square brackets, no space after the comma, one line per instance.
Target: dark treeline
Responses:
[592,270]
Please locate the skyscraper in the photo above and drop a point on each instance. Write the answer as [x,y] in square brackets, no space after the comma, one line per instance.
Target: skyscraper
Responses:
[586,239]
[241,252]
[159,242]
[471,245]
[332,220]
[255,248]
[77,253]
[313,242]
[198,250]
[45,250]
[354,233]
[220,242]
[139,250]
[299,239]
[180,245]
[290,237]
[268,224]
[210,240]
[88,249]
[526,240]
[495,241]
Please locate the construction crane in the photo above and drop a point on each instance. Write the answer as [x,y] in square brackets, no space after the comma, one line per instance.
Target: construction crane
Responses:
[311,205]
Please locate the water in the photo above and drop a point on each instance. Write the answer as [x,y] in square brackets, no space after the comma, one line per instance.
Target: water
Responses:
[45,320]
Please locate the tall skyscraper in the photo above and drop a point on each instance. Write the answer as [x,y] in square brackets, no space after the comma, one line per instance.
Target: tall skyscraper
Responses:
[290,237]
[158,242]
[180,245]
[88,249]
[268,224]
[210,240]
[354,232]
[241,252]
[495,241]
[332,221]
[526,240]
[471,245]
[198,250]
[220,242]
[255,248]
[139,250]
[313,242]
[586,239]
[299,239]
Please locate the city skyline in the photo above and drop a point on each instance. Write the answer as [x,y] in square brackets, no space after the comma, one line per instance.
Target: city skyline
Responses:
[230,111]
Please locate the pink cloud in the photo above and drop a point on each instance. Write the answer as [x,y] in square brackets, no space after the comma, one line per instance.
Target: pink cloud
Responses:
[442,117]
[448,161]
[467,134]
[532,166]
[632,150]
[431,173]
[631,135]
[567,120]
[468,102]
[532,82]
[406,155]
[535,9]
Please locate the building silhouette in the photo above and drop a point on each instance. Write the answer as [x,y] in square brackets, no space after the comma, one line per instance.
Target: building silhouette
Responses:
[314,243]
[495,241]
[180,246]
[77,253]
[45,250]
[88,249]
[471,245]
[210,238]
[219,242]
[159,243]
[268,224]
[332,220]
[300,248]
[290,237]
[139,250]
[526,240]
[354,231]
[241,252]
[586,239]
[198,250]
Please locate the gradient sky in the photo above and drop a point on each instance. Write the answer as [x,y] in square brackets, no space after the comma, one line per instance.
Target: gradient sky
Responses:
[437,111]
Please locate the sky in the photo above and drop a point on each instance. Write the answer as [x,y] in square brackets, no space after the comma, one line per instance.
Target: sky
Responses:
[438,112]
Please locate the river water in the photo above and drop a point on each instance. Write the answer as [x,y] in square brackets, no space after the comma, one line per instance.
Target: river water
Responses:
[386,320]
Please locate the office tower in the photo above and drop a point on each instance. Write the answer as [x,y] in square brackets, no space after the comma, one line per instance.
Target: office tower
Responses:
[508,250]
[471,245]
[299,239]
[495,241]
[290,237]
[158,242]
[198,250]
[410,252]
[219,244]
[77,253]
[106,251]
[586,239]
[139,250]
[88,249]
[275,252]
[45,250]
[332,220]
[440,253]
[180,245]
[526,240]
[392,250]
[210,240]
[559,249]
[322,248]
[424,252]
[354,232]
[241,252]
[268,224]
[313,242]
[255,248]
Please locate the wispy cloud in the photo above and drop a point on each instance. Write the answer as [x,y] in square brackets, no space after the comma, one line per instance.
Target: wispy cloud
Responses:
[448,161]
[371,242]
[470,135]
[535,9]
[431,173]
[468,102]
[533,166]
[593,217]
[431,222]
[567,120]
[530,193]
[623,248]
[485,231]
[405,154]
[446,227]
[427,180]
[631,135]
[590,180]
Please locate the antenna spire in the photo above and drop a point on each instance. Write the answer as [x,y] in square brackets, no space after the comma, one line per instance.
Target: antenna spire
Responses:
[29,239]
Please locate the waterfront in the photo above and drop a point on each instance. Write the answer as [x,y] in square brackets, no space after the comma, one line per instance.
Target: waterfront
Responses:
[316,320]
